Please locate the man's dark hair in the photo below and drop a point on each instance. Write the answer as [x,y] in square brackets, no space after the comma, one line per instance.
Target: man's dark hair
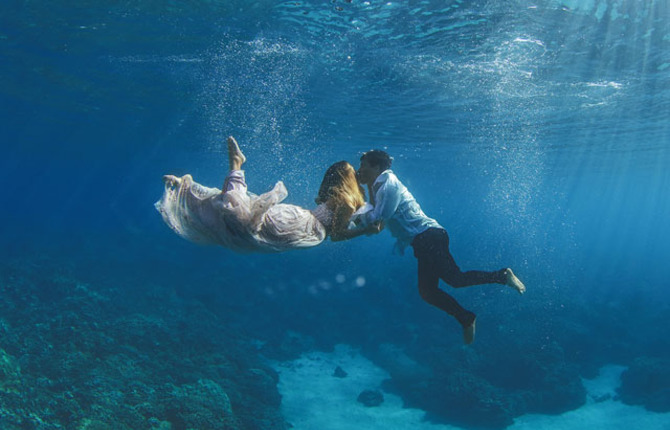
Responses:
[378,158]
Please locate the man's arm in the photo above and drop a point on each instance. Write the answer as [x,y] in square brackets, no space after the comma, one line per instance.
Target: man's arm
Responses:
[340,230]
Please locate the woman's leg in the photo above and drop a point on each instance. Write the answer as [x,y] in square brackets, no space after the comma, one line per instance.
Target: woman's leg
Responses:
[235,156]
[235,179]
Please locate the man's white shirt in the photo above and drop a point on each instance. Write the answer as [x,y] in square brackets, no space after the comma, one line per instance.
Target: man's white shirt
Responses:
[396,206]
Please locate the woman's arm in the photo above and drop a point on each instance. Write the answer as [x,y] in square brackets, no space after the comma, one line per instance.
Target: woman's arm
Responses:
[340,229]
[350,234]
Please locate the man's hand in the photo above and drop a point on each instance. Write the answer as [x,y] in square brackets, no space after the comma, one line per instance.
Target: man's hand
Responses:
[374,228]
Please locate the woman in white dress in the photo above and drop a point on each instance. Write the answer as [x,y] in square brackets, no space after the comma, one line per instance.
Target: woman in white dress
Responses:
[244,222]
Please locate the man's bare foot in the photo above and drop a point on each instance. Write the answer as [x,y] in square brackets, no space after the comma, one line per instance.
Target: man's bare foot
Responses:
[171,181]
[514,282]
[235,156]
[469,332]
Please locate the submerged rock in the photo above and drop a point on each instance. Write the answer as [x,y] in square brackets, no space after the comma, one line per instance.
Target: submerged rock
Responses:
[339,372]
[647,383]
[489,388]
[371,398]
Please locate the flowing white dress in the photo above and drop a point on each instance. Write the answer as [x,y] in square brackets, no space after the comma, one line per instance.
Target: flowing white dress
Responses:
[237,219]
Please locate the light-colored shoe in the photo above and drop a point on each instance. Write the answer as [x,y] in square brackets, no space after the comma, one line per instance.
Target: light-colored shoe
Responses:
[469,333]
[514,282]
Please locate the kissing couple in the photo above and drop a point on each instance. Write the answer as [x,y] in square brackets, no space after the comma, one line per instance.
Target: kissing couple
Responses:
[244,222]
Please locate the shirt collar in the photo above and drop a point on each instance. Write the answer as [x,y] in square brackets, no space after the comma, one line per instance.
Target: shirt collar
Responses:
[383,176]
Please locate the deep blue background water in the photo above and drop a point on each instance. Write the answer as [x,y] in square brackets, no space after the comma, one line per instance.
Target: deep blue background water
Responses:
[537,133]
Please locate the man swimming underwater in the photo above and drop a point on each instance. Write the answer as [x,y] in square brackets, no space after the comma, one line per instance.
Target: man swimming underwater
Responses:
[396,207]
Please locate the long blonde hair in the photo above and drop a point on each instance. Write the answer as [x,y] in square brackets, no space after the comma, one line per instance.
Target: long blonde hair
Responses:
[340,187]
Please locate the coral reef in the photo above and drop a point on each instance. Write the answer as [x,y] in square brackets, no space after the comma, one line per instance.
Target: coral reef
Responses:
[119,357]
[119,348]
[10,374]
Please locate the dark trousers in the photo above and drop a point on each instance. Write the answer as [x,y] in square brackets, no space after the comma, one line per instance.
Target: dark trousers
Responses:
[431,249]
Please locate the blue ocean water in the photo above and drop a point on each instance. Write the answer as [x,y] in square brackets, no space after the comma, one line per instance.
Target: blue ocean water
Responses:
[537,133]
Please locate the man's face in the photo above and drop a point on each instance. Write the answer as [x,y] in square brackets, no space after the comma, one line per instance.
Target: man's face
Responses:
[367,173]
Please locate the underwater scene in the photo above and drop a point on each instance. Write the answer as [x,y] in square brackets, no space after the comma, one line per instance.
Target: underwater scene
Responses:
[533,135]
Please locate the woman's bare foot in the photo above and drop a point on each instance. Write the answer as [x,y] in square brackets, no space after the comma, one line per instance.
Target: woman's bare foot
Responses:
[514,282]
[235,156]
[172,181]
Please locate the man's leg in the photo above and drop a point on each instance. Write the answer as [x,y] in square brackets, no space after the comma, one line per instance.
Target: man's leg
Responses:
[452,274]
[432,294]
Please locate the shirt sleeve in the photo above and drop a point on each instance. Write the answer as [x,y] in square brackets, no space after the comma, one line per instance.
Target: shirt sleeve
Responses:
[387,199]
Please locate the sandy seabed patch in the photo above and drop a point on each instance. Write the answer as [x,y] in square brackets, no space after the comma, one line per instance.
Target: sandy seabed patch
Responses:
[313,398]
